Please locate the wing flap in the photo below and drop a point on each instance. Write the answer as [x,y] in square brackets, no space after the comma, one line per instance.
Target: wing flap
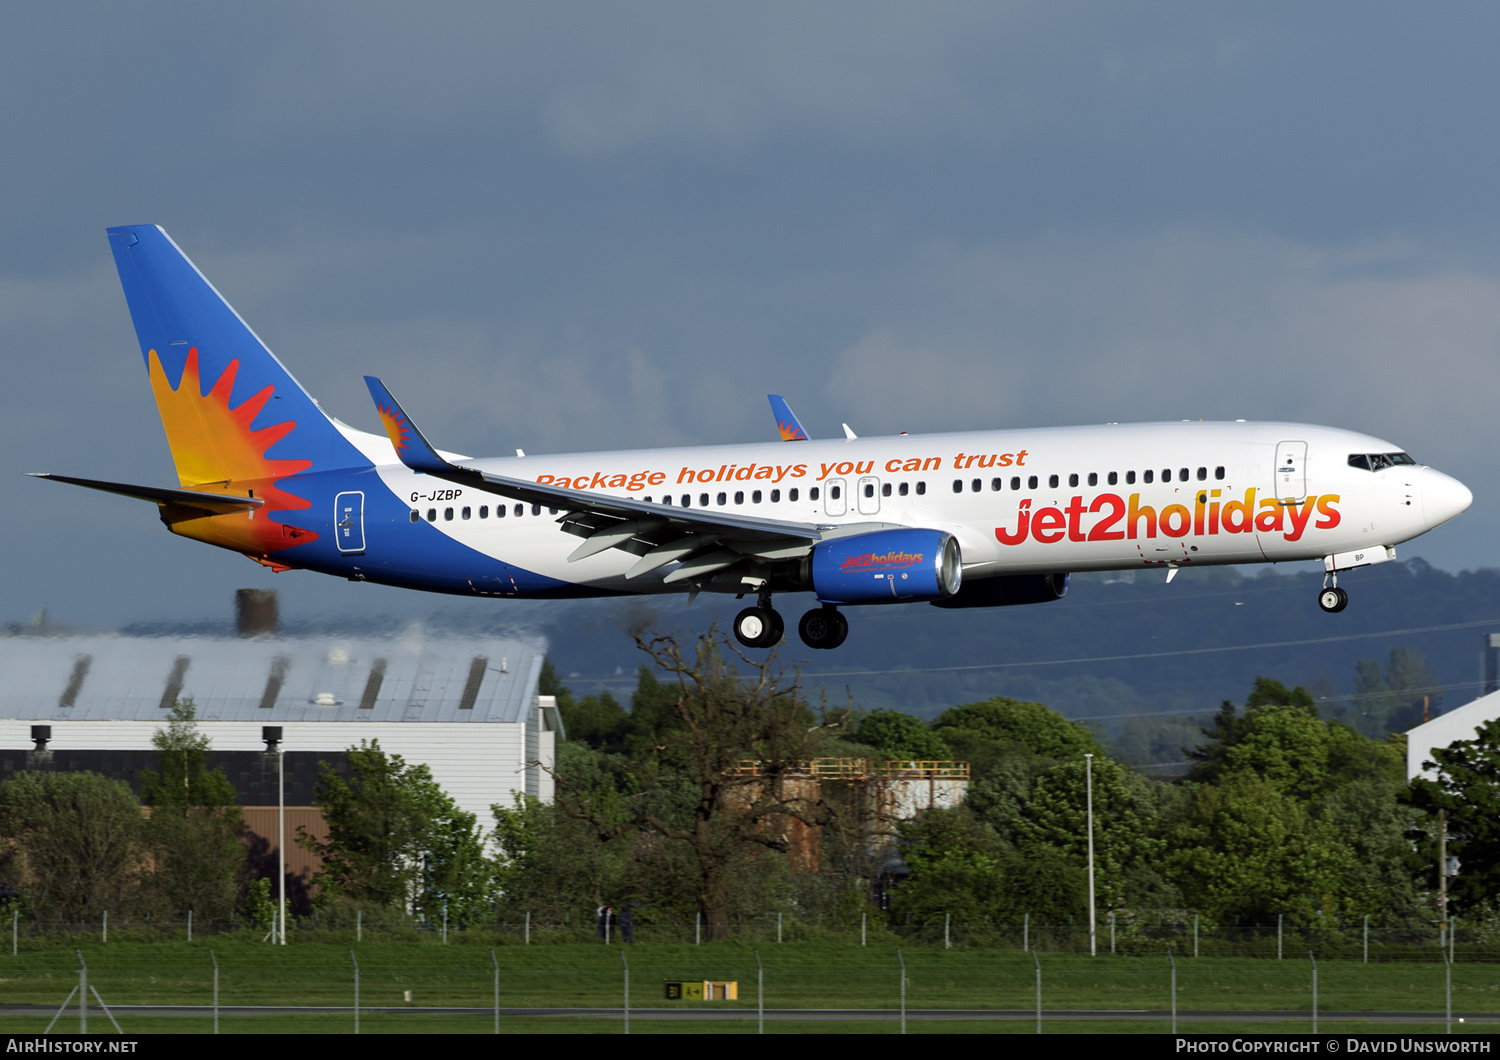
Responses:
[213,503]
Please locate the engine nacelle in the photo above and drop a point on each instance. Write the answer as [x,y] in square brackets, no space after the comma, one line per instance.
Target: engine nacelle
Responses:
[1008,591]
[887,566]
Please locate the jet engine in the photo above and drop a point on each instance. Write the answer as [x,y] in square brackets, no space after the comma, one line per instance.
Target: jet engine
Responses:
[885,566]
[1008,590]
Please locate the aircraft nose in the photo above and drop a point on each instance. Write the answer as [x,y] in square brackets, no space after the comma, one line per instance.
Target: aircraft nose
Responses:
[1443,497]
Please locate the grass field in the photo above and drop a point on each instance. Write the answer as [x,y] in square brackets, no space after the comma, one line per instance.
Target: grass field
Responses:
[797,976]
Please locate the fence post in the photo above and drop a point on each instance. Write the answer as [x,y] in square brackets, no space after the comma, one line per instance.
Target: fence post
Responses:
[1448,991]
[760,994]
[1026,934]
[497,990]
[1452,938]
[1367,938]
[356,991]
[778,928]
[947,923]
[359,925]
[903,989]
[106,926]
[216,989]
[626,963]
[15,932]
[697,929]
[1111,933]
[445,923]
[1038,993]
[863,917]
[1278,936]
[1195,935]
[83,995]
[1174,991]
[1315,990]
[528,929]
[190,925]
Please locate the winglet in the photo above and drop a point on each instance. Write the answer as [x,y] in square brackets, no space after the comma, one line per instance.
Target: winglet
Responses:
[414,450]
[786,420]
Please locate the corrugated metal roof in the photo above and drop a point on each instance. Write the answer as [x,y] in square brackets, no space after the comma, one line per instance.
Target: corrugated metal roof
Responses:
[411,677]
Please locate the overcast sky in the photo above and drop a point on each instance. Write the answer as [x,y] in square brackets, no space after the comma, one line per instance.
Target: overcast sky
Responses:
[569,226]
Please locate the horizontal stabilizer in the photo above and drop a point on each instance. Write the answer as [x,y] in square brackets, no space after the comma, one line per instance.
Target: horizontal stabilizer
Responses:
[213,503]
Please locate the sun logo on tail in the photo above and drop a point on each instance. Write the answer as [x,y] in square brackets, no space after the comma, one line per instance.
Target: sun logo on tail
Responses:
[217,449]
[791,432]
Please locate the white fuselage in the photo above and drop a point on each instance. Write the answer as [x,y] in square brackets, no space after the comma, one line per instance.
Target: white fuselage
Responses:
[1108,497]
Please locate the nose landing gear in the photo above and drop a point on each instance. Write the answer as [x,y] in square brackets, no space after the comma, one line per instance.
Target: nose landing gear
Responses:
[823,627]
[1332,599]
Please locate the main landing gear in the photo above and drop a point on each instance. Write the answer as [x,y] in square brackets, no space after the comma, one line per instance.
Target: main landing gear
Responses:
[761,626]
[1332,599]
[823,627]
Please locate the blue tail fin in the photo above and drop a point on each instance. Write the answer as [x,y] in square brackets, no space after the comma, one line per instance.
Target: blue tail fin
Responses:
[232,412]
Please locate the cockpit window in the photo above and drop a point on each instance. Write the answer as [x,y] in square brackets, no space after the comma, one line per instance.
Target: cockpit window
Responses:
[1379,461]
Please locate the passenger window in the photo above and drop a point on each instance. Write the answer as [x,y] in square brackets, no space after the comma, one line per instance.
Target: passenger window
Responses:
[995,485]
[885,490]
[1114,478]
[791,495]
[1015,482]
[1052,481]
[1148,477]
[775,496]
[520,510]
[416,516]
[958,485]
[976,485]
[484,511]
[1182,474]
[499,511]
[1219,474]
[432,515]
[1073,479]
[921,489]
[870,490]
[536,509]
[1130,478]
[755,497]
[723,500]
[834,493]
[687,500]
[466,512]
[447,515]
[1093,478]
[905,488]
[703,500]
[1203,474]
[812,494]
[1031,483]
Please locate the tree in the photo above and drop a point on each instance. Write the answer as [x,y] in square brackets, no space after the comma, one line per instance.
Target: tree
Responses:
[896,734]
[1391,699]
[1467,788]
[1248,850]
[396,838]
[197,860]
[693,789]
[72,843]
[984,732]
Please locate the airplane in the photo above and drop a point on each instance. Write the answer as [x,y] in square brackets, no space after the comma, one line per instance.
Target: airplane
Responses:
[958,520]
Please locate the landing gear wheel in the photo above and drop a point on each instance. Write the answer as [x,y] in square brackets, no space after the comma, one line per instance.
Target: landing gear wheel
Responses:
[758,627]
[1333,600]
[823,628]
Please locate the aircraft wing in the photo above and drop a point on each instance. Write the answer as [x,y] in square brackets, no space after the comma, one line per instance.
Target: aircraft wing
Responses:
[213,503]
[786,420]
[703,540]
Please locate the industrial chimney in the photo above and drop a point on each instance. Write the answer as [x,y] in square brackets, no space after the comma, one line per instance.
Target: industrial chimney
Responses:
[255,613]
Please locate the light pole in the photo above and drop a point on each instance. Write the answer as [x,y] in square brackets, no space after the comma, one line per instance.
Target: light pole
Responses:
[272,735]
[1089,773]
